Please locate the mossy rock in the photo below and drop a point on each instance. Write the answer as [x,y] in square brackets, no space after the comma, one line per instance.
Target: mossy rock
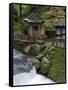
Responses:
[48,49]
[34,49]
[51,50]
[44,65]
[44,69]
[45,60]
[27,48]
[36,63]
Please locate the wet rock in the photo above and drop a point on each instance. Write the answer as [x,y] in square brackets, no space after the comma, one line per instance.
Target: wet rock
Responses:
[36,63]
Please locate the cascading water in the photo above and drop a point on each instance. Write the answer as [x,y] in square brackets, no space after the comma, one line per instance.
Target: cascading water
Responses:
[24,73]
[22,67]
[22,63]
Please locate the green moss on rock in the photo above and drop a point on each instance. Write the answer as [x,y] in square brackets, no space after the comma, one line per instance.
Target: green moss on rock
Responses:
[44,65]
[34,50]
[36,63]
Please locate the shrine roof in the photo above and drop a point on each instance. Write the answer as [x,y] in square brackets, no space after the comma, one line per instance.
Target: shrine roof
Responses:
[35,17]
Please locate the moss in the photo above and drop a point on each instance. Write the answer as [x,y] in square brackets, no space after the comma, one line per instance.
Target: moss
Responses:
[57,71]
[56,56]
[44,65]
[34,50]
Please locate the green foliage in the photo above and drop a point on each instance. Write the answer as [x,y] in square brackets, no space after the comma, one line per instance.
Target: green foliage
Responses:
[20,12]
[50,33]
[17,27]
[56,57]
[19,46]
[57,70]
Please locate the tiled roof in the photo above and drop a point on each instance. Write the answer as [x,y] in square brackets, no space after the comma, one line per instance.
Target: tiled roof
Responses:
[34,17]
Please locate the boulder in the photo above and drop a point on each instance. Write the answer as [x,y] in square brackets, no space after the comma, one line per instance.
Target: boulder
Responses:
[36,63]
[51,50]
[34,49]
[27,48]
[44,65]
[45,60]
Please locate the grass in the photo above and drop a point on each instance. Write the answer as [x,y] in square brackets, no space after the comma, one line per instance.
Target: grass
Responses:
[57,70]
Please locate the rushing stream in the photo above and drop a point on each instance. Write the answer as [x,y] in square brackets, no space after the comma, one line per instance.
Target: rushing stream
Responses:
[24,72]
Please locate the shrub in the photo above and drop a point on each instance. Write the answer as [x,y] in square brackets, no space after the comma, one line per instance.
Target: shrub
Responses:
[50,34]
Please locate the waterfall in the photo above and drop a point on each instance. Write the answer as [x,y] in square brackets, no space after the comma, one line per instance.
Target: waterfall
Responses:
[24,73]
[21,62]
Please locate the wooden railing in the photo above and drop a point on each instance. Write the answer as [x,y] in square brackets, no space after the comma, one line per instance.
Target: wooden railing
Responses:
[22,37]
[54,42]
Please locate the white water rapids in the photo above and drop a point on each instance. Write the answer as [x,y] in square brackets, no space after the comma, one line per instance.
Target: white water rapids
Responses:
[24,72]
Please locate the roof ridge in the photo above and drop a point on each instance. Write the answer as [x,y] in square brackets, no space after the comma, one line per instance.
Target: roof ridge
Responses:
[33,14]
